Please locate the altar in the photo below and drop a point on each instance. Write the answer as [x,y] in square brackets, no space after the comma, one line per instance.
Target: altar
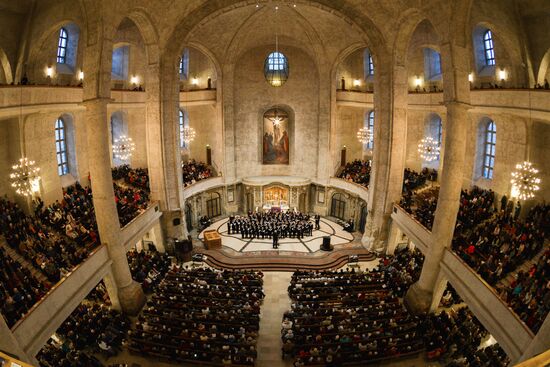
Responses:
[276,193]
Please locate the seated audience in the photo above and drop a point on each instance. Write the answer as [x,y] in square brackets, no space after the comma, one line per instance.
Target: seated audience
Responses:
[130,203]
[413,180]
[135,177]
[148,268]
[19,289]
[202,315]
[402,269]
[357,172]
[194,171]
[346,317]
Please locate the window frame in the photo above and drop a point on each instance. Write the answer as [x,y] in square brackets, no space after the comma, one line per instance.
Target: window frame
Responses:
[489,48]
[370,126]
[489,150]
[62,46]
[61,147]
[369,64]
[182,123]
[184,64]
[439,132]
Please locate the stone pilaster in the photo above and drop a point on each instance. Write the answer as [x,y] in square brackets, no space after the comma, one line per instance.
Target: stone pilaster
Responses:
[130,294]
[390,135]
[8,343]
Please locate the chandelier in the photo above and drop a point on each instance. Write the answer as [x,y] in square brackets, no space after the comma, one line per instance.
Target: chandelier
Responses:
[188,135]
[429,149]
[123,148]
[364,135]
[25,178]
[525,181]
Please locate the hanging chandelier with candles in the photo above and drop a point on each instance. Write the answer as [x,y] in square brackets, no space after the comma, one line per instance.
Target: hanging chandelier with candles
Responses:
[364,135]
[25,177]
[525,181]
[429,149]
[188,134]
[123,148]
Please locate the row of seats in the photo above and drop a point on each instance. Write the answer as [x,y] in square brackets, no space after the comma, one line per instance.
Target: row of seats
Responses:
[413,180]
[194,171]
[148,268]
[136,177]
[347,318]
[357,172]
[202,316]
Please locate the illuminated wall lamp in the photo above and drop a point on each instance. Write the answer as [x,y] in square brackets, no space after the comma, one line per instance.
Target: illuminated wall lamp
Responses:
[502,74]
[49,71]
[356,82]
[417,81]
[471,77]
[134,79]
[81,75]
[195,81]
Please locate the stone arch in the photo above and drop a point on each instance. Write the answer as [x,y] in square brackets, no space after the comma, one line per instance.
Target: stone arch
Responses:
[6,76]
[209,55]
[544,68]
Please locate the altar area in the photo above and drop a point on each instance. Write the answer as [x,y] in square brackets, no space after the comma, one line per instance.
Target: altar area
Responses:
[275,199]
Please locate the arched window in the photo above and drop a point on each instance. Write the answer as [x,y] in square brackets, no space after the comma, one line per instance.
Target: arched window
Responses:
[489,48]
[276,69]
[432,64]
[489,150]
[439,132]
[183,122]
[119,67]
[184,64]
[61,148]
[368,64]
[62,46]
[370,126]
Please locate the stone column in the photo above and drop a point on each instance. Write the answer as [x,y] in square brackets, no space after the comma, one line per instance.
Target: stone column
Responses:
[390,136]
[540,343]
[422,294]
[163,149]
[130,294]
[9,344]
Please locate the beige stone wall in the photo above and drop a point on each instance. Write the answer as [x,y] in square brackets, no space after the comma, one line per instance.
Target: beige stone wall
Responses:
[253,96]
[540,154]
[349,121]
[423,37]
[207,127]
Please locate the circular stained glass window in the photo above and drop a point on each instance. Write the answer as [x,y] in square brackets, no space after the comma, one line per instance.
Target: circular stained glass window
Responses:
[276,69]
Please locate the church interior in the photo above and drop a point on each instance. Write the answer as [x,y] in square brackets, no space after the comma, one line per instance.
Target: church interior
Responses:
[274,183]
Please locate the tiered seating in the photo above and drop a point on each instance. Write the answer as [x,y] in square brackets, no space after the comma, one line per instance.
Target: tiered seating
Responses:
[52,252]
[346,318]
[421,205]
[130,202]
[19,289]
[148,268]
[91,328]
[456,336]
[202,316]
[412,180]
[194,171]
[136,177]
[529,293]
[357,172]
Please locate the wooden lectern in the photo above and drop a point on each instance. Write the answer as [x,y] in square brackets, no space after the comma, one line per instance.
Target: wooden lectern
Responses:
[212,239]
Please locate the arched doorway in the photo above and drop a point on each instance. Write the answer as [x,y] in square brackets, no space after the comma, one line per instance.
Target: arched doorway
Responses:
[338,207]
[213,205]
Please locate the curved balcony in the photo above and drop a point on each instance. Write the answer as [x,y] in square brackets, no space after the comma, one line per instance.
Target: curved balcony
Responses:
[412,228]
[136,229]
[203,185]
[350,187]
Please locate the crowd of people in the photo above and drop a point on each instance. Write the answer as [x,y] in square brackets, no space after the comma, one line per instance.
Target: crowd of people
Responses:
[357,172]
[413,180]
[148,268]
[529,293]
[194,171]
[130,202]
[346,316]
[92,328]
[421,205]
[136,177]
[19,289]
[269,224]
[202,315]
[455,337]
[402,269]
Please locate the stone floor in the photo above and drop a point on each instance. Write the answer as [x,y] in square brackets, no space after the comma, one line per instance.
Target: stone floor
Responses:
[276,302]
